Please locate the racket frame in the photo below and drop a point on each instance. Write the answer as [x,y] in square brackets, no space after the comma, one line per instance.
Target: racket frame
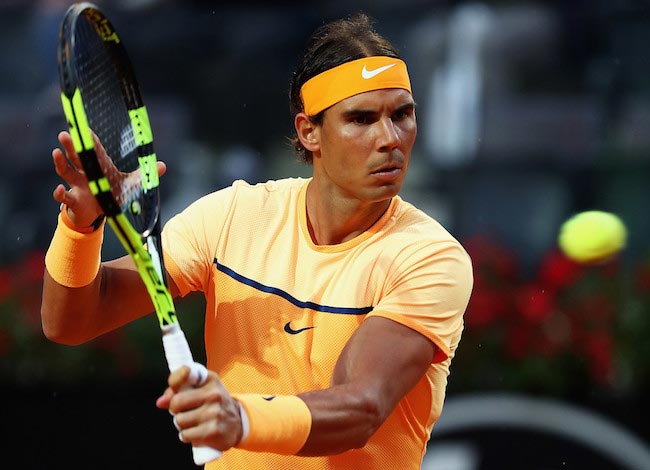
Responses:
[144,247]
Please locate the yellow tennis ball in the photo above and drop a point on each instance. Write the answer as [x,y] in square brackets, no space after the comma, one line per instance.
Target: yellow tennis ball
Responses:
[592,236]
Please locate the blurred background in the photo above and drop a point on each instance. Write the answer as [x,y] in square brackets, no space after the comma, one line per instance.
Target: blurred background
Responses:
[528,112]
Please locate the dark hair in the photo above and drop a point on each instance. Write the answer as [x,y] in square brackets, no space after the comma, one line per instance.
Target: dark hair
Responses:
[331,45]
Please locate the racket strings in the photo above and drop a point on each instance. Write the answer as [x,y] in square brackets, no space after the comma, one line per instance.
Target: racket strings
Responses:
[108,116]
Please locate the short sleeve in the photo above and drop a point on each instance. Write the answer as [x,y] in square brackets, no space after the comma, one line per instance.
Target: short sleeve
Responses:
[428,290]
[190,238]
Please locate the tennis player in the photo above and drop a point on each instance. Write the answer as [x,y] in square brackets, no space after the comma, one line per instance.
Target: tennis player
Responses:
[334,307]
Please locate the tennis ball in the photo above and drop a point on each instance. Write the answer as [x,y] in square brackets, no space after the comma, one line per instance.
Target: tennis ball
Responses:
[592,236]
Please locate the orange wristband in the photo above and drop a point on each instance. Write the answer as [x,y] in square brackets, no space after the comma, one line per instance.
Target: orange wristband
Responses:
[73,257]
[279,424]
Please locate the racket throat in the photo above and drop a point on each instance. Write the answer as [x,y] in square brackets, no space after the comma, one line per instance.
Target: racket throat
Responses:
[155,251]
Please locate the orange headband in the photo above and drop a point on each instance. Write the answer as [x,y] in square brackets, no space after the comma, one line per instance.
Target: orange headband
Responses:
[351,78]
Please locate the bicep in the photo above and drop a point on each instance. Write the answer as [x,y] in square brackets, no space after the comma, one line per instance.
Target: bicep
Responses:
[384,358]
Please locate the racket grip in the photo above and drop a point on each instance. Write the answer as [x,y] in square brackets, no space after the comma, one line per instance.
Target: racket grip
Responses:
[204,454]
[177,352]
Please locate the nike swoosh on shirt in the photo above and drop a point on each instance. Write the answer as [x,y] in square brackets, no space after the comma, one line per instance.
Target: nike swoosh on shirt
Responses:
[367,74]
[291,331]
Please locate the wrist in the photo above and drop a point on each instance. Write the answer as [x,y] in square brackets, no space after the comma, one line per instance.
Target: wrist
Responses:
[95,225]
[278,424]
[73,258]
[245,423]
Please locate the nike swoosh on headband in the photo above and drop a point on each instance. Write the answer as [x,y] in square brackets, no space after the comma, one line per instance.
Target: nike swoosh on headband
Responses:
[367,74]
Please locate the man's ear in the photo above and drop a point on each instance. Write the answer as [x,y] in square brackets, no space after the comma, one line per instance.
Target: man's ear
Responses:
[308,132]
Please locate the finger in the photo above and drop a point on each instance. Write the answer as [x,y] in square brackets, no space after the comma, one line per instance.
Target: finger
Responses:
[99,147]
[102,156]
[62,165]
[64,169]
[198,374]
[162,168]
[187,420]
[206,427]
[163,400]
[70,153]
[178,377]
[71,201]
[59,194]
[189,398]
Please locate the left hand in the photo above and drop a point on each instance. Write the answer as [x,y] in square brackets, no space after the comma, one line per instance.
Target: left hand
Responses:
[205,415]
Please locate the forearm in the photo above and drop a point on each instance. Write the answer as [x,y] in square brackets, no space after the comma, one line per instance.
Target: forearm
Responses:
[323,422]
[83,298]
[68,313]
[71,282]
[342,419]
[116,297]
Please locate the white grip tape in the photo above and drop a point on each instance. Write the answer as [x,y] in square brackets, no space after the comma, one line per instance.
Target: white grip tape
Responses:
[177,350]
[178,354]
[205,454]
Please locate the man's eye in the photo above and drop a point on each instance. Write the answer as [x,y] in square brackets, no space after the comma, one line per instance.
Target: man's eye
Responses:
[399,115]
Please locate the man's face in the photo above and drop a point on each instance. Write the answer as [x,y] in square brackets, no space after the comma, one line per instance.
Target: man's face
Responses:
[365,144]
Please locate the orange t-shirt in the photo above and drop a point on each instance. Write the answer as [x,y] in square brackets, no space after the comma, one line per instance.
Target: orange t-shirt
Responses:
[280,308]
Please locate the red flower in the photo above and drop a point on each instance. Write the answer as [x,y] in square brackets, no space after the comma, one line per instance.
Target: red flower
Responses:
[534,303]
[5,342]
[557,271]
[557,331]
[34,267]
[596,312]
[642,278]
[599,350]
[5,284]
[491,258]
[485,307]
[518,341]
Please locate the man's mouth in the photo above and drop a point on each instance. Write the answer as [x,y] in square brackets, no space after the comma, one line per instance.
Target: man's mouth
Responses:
[388,172]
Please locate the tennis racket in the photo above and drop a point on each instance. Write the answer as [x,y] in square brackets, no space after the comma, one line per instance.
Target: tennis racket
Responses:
[100,95]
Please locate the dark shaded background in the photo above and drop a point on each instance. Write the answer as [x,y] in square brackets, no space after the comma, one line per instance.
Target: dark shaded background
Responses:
[528,112]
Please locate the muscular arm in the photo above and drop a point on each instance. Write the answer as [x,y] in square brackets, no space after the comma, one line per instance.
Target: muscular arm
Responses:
[380,364]
[75,315]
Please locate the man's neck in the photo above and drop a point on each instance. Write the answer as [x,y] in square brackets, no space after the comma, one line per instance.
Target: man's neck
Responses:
[334,220]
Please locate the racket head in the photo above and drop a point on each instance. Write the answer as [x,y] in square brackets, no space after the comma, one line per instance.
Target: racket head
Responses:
[101,95]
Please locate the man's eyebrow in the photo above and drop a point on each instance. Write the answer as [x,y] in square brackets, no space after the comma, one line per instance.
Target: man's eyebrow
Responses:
[358,111]
[354,112]
[406,107]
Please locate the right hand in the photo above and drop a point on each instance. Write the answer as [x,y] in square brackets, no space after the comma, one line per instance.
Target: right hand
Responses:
[83,209]
[205,415]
